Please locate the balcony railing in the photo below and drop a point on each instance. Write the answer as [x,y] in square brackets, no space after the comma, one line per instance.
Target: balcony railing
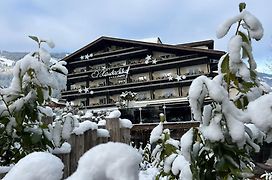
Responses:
[133,85]
[140,64]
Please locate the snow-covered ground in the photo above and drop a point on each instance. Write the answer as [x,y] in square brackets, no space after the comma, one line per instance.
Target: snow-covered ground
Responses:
[6,66]
[6,62]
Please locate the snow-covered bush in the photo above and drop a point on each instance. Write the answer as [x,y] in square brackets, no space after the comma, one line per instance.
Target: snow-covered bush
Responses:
[115,161]
[167,156]
[23,105]
[146,156]
[60,130]
[266,176]
[233,125]
[35,166]
[240,115]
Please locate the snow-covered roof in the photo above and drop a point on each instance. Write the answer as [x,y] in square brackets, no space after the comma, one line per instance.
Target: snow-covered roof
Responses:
[151,40]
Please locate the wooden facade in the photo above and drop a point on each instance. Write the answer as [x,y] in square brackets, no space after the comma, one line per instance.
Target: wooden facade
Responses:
[160,74]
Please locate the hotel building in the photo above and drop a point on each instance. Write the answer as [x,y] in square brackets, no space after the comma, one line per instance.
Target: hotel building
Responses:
[159,73]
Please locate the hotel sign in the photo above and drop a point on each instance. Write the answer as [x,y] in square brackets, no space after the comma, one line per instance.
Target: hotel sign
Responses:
[110,72]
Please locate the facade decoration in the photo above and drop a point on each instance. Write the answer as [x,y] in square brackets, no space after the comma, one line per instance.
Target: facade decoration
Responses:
[150,60]
[106,72]
[87,56]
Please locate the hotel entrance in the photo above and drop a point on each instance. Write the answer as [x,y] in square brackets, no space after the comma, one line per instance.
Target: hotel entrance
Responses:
[151,113]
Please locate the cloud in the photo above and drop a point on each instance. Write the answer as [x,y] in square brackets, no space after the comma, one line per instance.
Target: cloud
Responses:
[73,24]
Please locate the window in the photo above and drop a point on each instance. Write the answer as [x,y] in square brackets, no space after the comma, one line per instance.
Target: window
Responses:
[143,95]
[166,93]
[82,103]
[102,101]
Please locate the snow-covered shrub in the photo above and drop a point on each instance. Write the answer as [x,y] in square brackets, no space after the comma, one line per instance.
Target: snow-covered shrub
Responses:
[146,157]
[145,152]
[240,115]
[95,116]
[110,161]
[266,176]
[60,130]
[232,126]
[167,156]
[35,166]
[23,104]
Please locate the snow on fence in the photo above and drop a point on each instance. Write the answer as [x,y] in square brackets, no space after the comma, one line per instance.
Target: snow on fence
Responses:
[80,143]
[140,133]
[117,130]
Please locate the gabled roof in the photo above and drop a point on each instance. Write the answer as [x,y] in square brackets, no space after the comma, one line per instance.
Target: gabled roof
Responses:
[151,40]
[126,42]
[208,43]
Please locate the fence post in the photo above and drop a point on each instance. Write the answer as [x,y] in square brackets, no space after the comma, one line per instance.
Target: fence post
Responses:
[77,150]
[103,136]
[113,126]
[90,137]
[66,161]
[125,135]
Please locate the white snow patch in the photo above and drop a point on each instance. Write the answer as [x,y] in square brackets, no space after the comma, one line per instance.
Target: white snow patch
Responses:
[103,133]
[85,126]
[125,123]
[87,115]
[148,174]
[5,169]
[156,133]
[37,166]
[151,40]
[64,149]
[260,112]
[110,161]
[252,24]
[182,166]
[185,143]
[234,47]
[70,122]
[47,111]
[212,131]
[114,114]
[256,134]
[102,122]
[6,62]
[168,162]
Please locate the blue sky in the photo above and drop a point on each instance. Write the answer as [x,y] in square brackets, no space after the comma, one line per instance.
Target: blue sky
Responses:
[72,24]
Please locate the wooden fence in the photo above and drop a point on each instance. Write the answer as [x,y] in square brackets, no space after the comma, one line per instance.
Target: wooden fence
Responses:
[82,143]
[138,133]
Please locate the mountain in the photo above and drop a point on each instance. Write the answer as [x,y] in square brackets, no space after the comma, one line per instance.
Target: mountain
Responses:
[266,78]
[15,56]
